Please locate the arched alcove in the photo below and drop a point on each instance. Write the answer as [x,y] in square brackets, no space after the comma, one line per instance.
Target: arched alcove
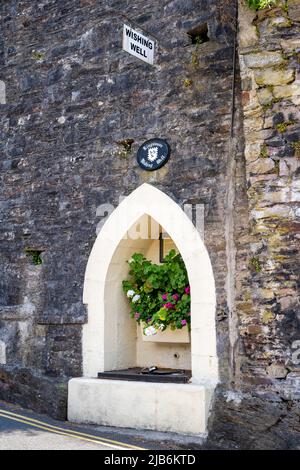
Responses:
[149,200]
[109,340]
[124,345]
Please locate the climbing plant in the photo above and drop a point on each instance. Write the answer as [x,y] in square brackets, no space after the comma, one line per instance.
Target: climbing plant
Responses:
[35,256]
[260,4]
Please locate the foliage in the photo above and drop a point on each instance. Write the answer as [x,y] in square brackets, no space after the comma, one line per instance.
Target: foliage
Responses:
[260,4]
[35,256]
[124,147]
[264,151]
[256,264]
[198,40]
[159,294]
[187,82]
[296,147]
[38,55]
[126,144]
[282,127]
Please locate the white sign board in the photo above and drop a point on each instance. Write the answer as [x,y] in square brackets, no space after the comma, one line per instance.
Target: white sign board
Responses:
[138,45]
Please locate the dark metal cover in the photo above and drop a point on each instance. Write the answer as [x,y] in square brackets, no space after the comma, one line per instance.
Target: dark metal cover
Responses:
[135,374]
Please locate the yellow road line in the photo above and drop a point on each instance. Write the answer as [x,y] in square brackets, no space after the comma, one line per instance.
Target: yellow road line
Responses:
[44,428]
[66,432]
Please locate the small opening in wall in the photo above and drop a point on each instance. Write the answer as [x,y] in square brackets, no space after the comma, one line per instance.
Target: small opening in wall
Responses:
[34,255]
[126,143]
[199,35]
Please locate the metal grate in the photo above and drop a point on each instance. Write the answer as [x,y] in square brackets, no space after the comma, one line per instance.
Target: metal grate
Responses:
[159,375]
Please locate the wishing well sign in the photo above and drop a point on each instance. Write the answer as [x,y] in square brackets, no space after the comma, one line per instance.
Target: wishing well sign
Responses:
[153,154]
[138,45]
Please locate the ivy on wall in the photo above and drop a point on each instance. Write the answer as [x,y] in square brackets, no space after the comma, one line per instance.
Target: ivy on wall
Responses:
[35,256]
[260,4]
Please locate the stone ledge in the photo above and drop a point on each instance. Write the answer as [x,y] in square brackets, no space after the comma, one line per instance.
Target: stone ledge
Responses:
[179,408]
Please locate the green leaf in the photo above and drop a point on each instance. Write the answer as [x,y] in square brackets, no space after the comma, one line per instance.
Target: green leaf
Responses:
[151,281]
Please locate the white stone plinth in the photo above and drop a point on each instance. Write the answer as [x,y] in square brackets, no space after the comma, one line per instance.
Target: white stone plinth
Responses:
[179,408]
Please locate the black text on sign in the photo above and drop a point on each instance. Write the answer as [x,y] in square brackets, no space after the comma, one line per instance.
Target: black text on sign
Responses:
[138,45]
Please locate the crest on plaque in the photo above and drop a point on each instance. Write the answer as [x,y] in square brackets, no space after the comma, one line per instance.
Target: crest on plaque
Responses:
[152,154]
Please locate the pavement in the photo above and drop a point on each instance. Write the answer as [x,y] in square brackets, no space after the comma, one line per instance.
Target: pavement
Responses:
[22,429]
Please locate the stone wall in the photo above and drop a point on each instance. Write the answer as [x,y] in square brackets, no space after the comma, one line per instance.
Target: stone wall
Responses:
[72,98]
[262,410]
[270,67]
[69,98]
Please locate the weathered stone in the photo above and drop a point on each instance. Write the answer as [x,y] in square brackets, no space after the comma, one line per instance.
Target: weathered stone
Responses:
[287,302]
[49,397]
[290,45]
[252,108]
[246,84]
[277,371]
[275,211]
[245,98]
[281,22]
[267,317]
[276,141]
[281,195]
[288,166]
[292,387]
[2,352]
[253,151]
[247,31]
[266,294]
[287,90]
[265,96]
[294,10]
[263,59]
[295,100]
[253,124]
[254,329]
[274,77]
[2,93]
[260,421]
[261,166]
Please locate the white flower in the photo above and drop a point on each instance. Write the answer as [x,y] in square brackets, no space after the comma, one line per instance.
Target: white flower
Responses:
[150,331]
[161,327]
[130,293]
[136,298]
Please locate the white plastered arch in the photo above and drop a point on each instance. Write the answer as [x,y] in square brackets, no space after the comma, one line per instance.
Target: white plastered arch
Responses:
[147,199]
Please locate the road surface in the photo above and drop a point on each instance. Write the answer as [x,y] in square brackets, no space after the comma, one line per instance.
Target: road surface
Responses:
[24,430]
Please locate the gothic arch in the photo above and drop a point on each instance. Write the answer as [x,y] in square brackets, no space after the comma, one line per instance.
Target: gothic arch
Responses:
[147,199]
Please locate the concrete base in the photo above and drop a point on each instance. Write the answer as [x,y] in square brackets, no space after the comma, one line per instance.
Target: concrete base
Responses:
[179,408]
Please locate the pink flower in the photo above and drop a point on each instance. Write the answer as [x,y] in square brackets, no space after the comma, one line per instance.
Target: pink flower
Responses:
[183,322]
[169,305]
[187,290]
[164,296]
[137,315]
[175,297]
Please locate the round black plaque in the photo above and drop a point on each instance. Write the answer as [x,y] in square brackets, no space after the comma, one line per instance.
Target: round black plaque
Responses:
[153,154]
